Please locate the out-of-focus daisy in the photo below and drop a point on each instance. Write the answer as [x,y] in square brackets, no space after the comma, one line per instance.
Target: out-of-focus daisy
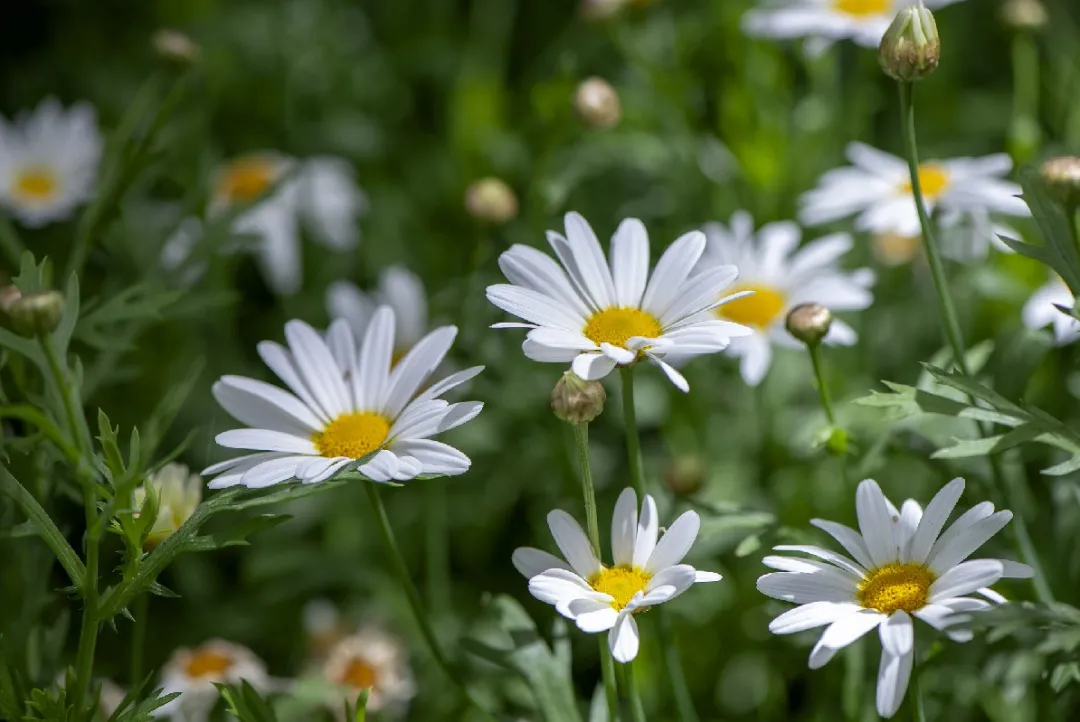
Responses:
[876,189]
[178,492]
[1042,310]
[901,566]
[274,194]
[893,249]
[863,21]
[599,316]
[346,403]
[371,659]
[606,599]
[49,162]
[193,672]
[782,276]
[399,289]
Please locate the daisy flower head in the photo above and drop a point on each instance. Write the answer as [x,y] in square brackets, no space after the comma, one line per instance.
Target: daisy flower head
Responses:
[646,572]
[876,189]
[596,316]
[398,288]
[49,162]
[273,194]
[371,659]
[1042,310]
[344,404]
[194,671]
[782,275]
[902,565]
[825,21]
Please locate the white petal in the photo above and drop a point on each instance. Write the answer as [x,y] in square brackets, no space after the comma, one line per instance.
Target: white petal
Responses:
[623,638]
[266,440]
[647,530]
[959,527]
[848,538]
[592,366]
[531,562]
[624,528]
[573,543]
[592,617]
[934,518]
[832,557]
[559,587]
[261,405]
[875,522]
[802,588]
[844,631]
[671,272]
[680,577]
[630,262]
[701,577]
[966,578]
[892,682]
[809,616]
[535,307]
[590,260]
[673,375]
[315,365]
[964,544]
[897,633]
[675,543]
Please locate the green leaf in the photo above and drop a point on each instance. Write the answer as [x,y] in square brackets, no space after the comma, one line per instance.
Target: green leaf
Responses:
[140,303]
[1058,250]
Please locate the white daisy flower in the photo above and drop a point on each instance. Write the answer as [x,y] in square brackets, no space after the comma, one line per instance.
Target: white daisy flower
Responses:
[599,317]
[606,599]
[49,162]
[178,492]
[782,276]
[193,672]
[1042,310]
[346,403]
[371,659]
[276,193]
[876,189]
[825,21]
[399,289]
[903,566]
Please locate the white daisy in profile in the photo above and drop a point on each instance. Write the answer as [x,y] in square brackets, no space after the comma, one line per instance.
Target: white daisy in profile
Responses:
[825,21]
[782,275]
[49,162]
[876,189]
[598,317]
[902,565]
[346,403]
[1042,310]
[646,572]
[273,193]
[194,671]
[400,289]
[178,493]
[371,659]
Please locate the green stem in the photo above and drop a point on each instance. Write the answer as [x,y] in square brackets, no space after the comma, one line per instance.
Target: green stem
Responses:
[637,710]
[918,713]
[1025,133]
[438,547]
[138,639]
[633,440]
[854,681]
[819,378]
[45,527]
[581,442]
[607,670]
[684,701]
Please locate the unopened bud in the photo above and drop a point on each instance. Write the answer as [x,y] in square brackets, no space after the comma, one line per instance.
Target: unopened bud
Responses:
[809,322]
[37,314]
[895,249]
[1062,179]
[601,9]
[173,493]
[1025,15]
[176,47]
[597,103]
[491,200]
[685,475]
[577,401]
[911,48]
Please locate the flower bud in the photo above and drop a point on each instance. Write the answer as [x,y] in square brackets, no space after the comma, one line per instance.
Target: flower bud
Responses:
[9,295]
[1061,176]
[597,103]
[577,401]
[176,492]
[37,314]
[176,47]
[895,249]
[685,475]
[911,47]
[601,9]
[1025,15]
[809,322]
[491,200]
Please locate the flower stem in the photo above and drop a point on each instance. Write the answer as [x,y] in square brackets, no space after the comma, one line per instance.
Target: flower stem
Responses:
[637,710]
[918,713]
[581,442]
[437,541]
[607,671]
[633,440]
[684,701]
[819,378]
[138,638]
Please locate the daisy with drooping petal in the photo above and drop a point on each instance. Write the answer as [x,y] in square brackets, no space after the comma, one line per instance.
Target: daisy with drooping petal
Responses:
[902,565]
[345,403]
[399,289]
[782,276]
[1042,310]
[862,21]
[49,162]
[371,659]
[193,672]
[646,572]
[876,189]
[598,316]
[275,194]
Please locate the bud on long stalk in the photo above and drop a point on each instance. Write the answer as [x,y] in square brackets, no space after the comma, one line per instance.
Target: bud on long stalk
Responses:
[911,47]
[576,401]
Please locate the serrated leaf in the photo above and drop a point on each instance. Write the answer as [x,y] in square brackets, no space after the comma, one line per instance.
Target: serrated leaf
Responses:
[989,445]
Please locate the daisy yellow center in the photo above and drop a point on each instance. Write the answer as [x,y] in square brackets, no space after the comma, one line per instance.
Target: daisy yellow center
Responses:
[863,8]
[208,663]
[622,583]
[760,309]
[35,184]
[352,435]
[933,180]
[892,587]
[358,674]
[245,179]
[618,325]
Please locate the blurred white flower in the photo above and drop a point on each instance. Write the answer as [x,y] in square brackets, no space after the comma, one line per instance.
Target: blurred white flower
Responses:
[371,659]
[606,599]
[1041,310]
[274,194]
[782,276]
[178,492]
[193,672]
[399,289]
[49,162]
[876,189]
[903,566]
[346,403]
[862,21]
[599,316]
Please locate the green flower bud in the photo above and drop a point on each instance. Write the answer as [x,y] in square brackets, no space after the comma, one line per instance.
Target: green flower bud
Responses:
[809,322]
[37,314]
[1061,176]
[491,200]
[577,401]
[685,475]
[597,103]
[911,47]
